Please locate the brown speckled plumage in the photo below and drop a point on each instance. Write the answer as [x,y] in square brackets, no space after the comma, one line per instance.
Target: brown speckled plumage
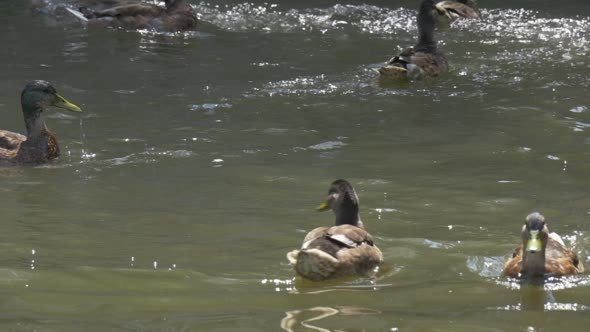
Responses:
[553,257]
[424,60]
[345,249]
[178,15]
[411,65]
[39,150]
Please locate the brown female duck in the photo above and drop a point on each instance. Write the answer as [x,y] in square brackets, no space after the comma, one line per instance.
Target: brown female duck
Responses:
[451,10]
[424,59]
[39,145]
[177,15]
[541,253]
[345,249]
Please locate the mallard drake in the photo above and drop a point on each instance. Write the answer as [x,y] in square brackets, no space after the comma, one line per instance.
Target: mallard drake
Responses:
[424,59]
[40,145]
[177,15]
[345,249]
[541,253]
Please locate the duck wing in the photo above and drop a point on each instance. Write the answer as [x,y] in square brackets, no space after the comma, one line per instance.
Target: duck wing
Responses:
[514,264]
[431,64]
[410,64]
[559,259]
[349,236]
[10,140]
[125,10]
[458,9]
[181,19]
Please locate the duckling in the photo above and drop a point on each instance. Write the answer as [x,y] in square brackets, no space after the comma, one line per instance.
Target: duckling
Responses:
[177,15]
[39,145]
[424,59]
[345,249]
[541,253]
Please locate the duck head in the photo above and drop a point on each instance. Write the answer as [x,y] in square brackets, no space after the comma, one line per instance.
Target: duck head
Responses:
[344,202]
[36,97]
[535,235]
[39,95]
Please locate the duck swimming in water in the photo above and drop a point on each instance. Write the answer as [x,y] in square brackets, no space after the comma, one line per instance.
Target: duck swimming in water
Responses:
[345,249]
[455,9]
[424,59]
[177,15]
[541,253]
[39,145]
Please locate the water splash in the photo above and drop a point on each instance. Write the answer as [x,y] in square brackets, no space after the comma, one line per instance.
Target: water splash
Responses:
[280,285]
[271,18]
[85,155]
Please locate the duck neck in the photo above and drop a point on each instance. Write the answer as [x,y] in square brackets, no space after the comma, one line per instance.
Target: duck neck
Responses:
[426,42]
[34,122]
[348,216]
[533,264]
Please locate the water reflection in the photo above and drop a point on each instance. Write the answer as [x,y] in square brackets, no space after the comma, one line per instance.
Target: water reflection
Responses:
[308,318]
[466,151]
[537,297]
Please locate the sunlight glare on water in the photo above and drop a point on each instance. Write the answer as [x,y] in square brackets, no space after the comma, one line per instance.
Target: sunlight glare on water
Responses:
[200,157]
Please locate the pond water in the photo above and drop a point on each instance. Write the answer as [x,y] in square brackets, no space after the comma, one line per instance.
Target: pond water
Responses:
[200,157]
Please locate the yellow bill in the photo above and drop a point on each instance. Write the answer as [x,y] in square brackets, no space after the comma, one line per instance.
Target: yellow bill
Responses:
[61,102]
[534,243]
[323,207]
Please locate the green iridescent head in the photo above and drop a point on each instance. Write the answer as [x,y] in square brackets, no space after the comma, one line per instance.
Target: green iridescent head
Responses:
[38,95]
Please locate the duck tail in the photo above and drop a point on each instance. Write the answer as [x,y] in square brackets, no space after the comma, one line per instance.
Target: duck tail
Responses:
[394,73]
[292,257]
[313,264]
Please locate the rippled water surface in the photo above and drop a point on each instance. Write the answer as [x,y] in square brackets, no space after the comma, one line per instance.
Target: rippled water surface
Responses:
[199,158]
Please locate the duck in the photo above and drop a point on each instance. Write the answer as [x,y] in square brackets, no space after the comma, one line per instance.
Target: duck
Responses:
[39,145]
[343,250]
[175,16]
[451,10]
[424,60]
[541,253]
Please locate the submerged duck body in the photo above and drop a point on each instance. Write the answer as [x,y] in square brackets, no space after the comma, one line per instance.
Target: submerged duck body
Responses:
[39,145]
[541,253]
[176,15]
[424,60]
[345,249]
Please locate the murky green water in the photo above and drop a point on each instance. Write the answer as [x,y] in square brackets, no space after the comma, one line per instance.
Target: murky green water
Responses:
[199,159]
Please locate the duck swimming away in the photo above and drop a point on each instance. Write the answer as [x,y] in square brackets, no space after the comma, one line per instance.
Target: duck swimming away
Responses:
[424,59]
[541,253]
[176,15]
[345,249]
[39,145]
